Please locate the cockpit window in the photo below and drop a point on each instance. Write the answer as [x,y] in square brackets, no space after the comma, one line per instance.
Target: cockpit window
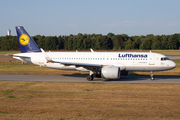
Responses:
[164,58]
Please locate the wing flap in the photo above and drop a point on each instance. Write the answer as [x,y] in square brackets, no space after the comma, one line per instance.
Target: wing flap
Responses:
[81,64]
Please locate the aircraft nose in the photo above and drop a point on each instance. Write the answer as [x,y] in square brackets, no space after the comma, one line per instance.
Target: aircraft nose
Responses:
[172,64]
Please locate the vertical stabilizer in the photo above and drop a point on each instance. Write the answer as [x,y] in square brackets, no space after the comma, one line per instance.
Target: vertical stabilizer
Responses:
[26,43]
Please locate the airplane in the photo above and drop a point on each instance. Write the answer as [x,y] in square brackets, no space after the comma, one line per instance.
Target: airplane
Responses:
[108,65]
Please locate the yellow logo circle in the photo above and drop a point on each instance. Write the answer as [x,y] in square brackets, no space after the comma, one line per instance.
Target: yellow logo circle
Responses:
[24,39]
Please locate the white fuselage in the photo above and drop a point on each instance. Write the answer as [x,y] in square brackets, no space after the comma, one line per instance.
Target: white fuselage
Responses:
[129,61]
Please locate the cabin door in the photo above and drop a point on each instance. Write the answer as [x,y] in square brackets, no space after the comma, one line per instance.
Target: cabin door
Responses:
[151,59]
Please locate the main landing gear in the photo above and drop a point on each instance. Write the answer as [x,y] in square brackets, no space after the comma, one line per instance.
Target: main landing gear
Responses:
[90,77]
[152,75]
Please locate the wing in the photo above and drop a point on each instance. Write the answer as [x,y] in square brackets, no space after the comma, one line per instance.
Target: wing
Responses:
[81,64]
[85,65]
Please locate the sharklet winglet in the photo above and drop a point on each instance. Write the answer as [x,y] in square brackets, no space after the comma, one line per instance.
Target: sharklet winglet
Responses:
[46,56]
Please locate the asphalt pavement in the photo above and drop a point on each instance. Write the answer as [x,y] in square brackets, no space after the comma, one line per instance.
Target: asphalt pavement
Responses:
[82,79]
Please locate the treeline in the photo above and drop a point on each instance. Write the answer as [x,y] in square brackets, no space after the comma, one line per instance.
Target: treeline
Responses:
[97,42]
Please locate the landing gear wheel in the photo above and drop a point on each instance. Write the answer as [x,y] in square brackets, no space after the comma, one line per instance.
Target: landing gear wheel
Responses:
[90,77]
[152,75]
[152,78]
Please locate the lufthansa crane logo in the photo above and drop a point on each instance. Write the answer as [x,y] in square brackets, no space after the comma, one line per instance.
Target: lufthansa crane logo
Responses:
[24,39]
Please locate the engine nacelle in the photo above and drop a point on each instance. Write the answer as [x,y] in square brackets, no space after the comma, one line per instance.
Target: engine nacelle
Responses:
[110,72]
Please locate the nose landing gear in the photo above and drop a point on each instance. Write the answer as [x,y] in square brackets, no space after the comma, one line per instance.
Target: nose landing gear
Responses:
[152,75]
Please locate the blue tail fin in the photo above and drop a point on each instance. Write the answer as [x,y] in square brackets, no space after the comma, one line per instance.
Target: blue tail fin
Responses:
[26,43]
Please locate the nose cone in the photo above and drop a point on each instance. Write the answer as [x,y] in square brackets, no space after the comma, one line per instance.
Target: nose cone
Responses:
[172,64]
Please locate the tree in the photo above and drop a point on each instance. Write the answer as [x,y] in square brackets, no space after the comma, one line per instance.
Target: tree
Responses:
[129,44]
[146,42]
[51,43]
[60,42]
[70,42]
[65,42]
[156,43]
[171,42]
[97,41]
[176,38]
[118,42]
[164,41]
[110,35]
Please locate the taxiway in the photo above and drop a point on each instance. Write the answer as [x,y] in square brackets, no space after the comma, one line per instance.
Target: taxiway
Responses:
[82,79]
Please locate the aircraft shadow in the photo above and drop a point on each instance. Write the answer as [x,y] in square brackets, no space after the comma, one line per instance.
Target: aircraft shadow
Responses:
[126,78]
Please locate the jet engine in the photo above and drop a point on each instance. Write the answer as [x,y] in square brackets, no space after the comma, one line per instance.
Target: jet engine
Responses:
[110,72]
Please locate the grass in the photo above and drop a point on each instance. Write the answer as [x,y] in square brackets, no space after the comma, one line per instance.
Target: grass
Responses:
[102,101]
[167,52]
[8,52]
[10,96]
[14,67]
[46,100]
[7,92]
[3,112]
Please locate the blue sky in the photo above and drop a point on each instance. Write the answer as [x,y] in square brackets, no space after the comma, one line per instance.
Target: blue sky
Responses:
[65,17]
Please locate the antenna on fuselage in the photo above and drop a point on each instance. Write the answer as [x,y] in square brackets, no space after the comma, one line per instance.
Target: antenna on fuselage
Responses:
[91,50]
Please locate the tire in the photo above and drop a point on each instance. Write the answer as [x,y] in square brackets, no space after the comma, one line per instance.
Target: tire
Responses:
[90,77]
[152,78]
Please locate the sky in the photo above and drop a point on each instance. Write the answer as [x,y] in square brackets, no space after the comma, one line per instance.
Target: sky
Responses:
[65,17]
